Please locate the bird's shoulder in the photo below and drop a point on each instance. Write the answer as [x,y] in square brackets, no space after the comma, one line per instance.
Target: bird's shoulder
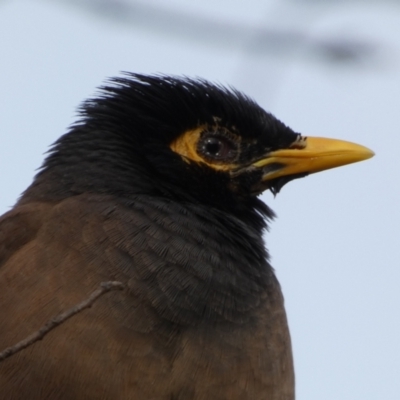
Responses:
[163,249]
[18,227]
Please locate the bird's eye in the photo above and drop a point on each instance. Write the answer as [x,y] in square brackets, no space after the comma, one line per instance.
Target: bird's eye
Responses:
[217,147]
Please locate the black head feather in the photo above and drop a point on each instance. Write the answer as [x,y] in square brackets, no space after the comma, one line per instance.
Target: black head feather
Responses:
[120,146]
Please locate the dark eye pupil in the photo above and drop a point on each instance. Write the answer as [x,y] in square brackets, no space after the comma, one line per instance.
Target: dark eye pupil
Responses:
[217,147]
[213,146]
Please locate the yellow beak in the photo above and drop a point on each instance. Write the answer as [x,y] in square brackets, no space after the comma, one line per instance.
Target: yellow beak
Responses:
[313,155]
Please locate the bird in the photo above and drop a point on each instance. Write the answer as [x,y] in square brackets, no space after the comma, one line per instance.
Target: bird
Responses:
[155,186]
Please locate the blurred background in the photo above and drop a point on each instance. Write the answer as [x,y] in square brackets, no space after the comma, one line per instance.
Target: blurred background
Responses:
[325,68]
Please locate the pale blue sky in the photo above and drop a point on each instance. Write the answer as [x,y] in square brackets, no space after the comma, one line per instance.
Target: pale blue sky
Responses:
[335,245]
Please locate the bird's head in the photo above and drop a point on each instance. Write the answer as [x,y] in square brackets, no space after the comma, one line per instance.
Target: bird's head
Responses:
[185,139]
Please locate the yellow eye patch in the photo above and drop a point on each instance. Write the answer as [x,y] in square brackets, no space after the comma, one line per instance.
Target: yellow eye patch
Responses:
[187,146]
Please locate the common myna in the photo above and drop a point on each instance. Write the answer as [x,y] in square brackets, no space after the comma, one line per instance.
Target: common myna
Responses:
[155,187]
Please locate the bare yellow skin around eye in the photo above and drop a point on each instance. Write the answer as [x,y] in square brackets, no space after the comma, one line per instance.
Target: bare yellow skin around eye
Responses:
[186,146]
